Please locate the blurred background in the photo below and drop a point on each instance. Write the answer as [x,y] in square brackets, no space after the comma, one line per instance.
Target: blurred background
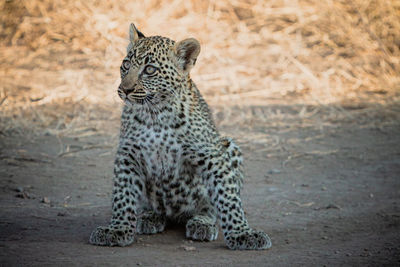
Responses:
[59,66]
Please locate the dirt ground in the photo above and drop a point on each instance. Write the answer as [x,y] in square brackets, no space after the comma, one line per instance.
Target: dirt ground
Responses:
[327,193]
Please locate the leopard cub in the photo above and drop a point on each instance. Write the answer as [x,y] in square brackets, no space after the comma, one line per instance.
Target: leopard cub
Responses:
[171,161]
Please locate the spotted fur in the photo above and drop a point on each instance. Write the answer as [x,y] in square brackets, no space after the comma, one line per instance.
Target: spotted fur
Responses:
[171,161]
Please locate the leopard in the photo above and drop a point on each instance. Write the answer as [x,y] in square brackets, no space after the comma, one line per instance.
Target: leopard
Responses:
[171,163]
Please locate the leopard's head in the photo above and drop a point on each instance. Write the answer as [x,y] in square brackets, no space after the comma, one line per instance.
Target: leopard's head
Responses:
[155,68]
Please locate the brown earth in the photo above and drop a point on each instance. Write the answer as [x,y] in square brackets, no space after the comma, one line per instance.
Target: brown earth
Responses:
[326,191]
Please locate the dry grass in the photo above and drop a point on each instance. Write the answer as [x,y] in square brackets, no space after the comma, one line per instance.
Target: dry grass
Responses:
[60,59]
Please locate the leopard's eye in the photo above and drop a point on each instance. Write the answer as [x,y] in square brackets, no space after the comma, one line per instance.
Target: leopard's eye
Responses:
[126,64]
[149,70]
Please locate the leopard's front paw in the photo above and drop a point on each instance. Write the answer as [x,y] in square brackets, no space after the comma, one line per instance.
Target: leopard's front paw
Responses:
[112,236]
[150,223]
[202,230]
[251,240]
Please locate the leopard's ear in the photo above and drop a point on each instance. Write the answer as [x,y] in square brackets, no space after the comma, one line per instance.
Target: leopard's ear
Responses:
[134,34]
[186,52]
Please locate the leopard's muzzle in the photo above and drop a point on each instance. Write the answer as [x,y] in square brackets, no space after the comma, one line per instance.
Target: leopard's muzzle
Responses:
[131,94]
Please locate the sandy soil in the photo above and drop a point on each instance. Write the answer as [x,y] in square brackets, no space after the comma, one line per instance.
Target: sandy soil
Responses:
[326,195]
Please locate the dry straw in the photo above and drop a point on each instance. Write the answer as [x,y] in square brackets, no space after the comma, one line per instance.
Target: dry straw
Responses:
[60,59]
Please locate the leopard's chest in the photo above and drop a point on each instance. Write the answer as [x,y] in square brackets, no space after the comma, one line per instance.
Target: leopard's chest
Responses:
[162,167]
[160,152]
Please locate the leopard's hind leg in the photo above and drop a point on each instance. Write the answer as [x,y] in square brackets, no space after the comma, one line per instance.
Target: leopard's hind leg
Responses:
[222,171]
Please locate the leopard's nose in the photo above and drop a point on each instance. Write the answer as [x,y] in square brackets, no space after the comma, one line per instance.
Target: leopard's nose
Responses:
[127,91]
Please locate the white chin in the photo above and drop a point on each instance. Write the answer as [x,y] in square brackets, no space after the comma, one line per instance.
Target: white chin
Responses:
[127,102]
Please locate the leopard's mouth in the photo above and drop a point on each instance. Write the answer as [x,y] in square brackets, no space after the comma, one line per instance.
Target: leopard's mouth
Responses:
[139,98]
[132,94]
[134,97]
